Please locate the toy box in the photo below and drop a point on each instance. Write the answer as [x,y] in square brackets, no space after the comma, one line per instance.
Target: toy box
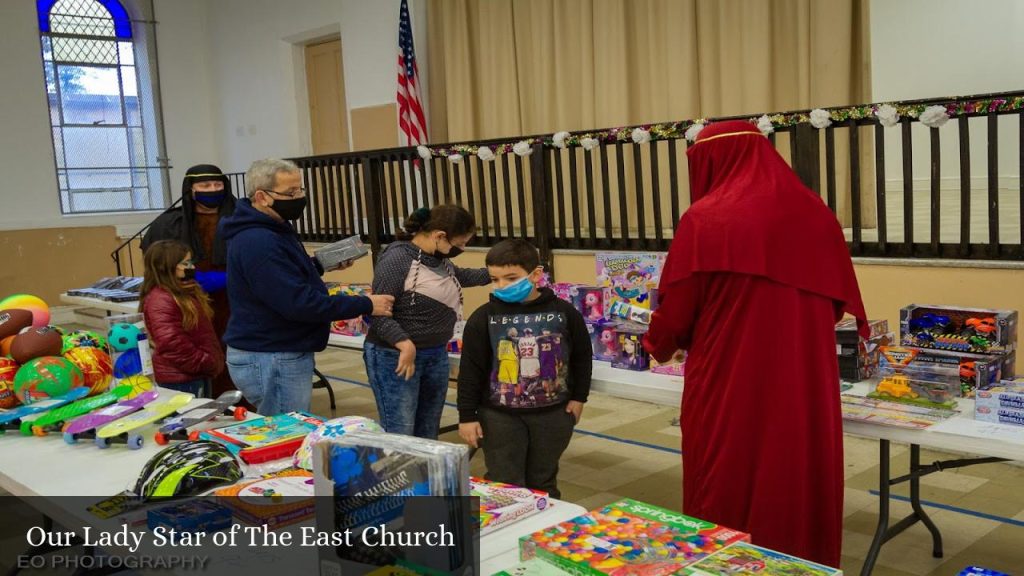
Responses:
[627,537]
[846,330]
[1003,404]
[347,250]
[591,301]
[131,358]
[277,499]
[621,310]
[604,339]
[565,290]
[961,372]
[674,367]
[959,329]
[858,357]
[352,326]
[192,516]
[630,278]
[502,504]
[632,355]
[743,558]
[264,439]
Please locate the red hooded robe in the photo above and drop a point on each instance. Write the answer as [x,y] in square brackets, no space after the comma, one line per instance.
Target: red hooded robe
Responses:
[755,280]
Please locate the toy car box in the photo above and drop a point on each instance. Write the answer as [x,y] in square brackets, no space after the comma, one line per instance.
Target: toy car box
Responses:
[979,330]
[934,370]
[1003,404]
[347,250]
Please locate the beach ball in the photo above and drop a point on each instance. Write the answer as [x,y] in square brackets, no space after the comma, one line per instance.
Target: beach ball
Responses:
[95,365]
[46,377]
[139,384]
[8,369]
[40,311]
[128,364]
[124,337]
[83,339]
[331,429]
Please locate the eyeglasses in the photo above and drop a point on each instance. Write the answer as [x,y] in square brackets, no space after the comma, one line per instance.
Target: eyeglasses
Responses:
[291,193]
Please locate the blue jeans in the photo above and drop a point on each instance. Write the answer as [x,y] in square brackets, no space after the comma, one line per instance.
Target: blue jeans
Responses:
[274,382]
[198,388]
[411,407]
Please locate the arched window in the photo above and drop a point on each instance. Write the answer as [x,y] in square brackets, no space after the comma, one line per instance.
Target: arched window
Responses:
[101,111]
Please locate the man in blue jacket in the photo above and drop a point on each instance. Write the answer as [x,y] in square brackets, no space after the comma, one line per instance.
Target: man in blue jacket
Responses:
[280,310]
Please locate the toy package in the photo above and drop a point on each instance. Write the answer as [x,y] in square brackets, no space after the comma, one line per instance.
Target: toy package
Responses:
[743,558]
[674,367]
[265,439]
[592,302]
[858,358]
[631,278]
[1002,404]
[455,343]
[627,537]
[978,571]
[276,499]
[632,355]
[895,414]
[193,516]
[961,372]
[623,311]
[501,504]
[130,354]
[977,330]
[347,250]
[352,326]
[565,290]
[533,567]
[604,339]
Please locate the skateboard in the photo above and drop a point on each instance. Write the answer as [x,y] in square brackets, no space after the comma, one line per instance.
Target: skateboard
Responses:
[121,429]
[180,427]
[54,419]
[85,426]
[11,419]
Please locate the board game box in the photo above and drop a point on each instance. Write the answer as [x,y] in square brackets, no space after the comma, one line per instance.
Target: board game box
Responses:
[276,499]
[630,537]
[744,558]
[501,504]
[631,278]
[258,439]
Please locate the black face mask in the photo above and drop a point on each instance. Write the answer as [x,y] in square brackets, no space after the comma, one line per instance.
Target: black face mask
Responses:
[452,252]
[210,199]
[289,209]
[190,275]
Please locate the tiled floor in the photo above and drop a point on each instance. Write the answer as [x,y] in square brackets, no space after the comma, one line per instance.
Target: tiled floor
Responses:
[626,448]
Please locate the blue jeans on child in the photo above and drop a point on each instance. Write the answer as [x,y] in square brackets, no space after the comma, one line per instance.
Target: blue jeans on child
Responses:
[274,382]
[198,388]
[411,407]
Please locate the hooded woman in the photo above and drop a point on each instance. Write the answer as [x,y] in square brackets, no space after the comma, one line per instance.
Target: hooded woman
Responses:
[756,278]
[206,197]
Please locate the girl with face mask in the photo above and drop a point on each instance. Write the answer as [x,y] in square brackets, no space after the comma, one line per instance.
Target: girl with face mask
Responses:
[186,351]
[406,355]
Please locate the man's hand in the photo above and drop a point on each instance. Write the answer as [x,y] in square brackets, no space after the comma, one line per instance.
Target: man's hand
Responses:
[406,359]
[382,304]
[576,409]
[345,265]
[471,432]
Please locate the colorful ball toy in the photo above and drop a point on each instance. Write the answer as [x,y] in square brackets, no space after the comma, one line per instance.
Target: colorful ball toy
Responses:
[8,369]
[40,311]
[331,429]
[95,365]
[83,339]
[124,337]
[128,364]
[139,383]
[46,377]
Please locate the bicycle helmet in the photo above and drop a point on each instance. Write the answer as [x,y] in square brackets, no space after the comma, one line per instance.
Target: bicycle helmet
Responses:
[187,469]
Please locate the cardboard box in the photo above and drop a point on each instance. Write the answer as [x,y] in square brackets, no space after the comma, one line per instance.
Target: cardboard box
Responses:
[978,330]
[743,558]
[1003,404]
[963,372]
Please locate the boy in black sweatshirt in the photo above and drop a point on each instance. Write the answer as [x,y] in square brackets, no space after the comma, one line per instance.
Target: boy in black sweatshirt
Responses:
[524,374]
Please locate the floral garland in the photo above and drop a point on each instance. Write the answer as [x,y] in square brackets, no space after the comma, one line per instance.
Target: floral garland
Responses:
[888,115]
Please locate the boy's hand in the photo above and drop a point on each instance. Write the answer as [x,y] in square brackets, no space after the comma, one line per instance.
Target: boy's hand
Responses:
[471,432]
[576,409]
[406,359]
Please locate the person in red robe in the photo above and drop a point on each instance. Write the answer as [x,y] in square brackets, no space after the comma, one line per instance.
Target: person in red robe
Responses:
[756,278]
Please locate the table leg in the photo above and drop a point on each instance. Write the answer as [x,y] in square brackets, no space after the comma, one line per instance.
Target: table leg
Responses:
[883,509]
[915,501]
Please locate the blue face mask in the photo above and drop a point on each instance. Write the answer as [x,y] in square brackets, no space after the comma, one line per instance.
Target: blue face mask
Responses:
[515,292]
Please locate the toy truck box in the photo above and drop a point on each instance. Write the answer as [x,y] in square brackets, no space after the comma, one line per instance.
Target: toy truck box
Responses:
[961,373]
[979,330]
[1003,404]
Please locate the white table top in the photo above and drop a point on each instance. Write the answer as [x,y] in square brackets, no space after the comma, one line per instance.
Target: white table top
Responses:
[118,307]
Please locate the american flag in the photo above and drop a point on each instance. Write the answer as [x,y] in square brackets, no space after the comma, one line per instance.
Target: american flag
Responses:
[410,110]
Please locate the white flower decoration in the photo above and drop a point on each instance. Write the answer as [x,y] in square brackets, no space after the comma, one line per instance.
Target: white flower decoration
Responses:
[764,124]
[455,158]
[589,143]
[641,136]
[522,148]
[424,152]
[693,131]
[485,153]
[887,115]
[820,118]
[559,139]
[934,116]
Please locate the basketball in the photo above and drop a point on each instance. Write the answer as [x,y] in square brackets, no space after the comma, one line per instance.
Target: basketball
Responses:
[13,321]
[46,377]
[95,365]
[124,337]
[8,369]
[40,311]
[139,384]
[128,364]
[36,343]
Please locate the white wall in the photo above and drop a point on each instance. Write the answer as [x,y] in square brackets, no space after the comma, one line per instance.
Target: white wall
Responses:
[936,48]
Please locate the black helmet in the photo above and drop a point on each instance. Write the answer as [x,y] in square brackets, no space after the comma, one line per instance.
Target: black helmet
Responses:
[187,469]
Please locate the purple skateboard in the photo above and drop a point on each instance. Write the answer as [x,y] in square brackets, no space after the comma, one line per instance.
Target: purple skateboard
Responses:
[85,426]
